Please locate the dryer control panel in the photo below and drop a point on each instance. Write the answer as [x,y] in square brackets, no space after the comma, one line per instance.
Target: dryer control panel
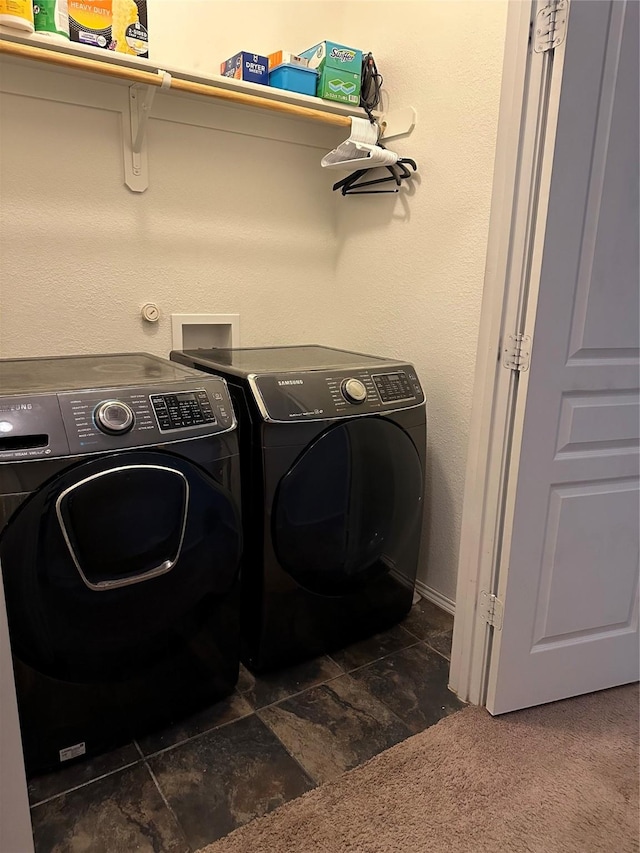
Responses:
[106,419]
[324,395]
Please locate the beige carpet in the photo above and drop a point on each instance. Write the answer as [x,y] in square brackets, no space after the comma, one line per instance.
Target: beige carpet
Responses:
[561,778]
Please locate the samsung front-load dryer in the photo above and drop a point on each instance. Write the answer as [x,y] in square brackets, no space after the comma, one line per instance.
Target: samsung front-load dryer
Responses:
[332,447]
[120,543]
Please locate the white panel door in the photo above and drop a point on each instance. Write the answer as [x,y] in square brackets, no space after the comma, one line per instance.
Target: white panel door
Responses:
[568,576]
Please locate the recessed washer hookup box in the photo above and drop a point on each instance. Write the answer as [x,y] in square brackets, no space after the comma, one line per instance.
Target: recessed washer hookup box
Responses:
[247,66]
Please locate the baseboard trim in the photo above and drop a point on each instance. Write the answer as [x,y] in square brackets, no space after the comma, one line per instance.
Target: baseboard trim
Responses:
[436,597]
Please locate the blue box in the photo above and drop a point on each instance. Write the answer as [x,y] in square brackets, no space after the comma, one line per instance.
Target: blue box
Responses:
[295,78]
[247,66]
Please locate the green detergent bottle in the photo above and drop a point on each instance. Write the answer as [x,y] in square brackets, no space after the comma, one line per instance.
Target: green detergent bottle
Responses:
[51,18]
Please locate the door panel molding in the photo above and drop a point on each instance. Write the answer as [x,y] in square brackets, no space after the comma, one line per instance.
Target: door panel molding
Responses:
[586,505]
[593,363]
[570,526]
[522,128]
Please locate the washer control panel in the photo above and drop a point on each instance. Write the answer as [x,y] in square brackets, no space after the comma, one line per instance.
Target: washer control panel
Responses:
[183,409]
[135,417]
[323,395]
[94,421]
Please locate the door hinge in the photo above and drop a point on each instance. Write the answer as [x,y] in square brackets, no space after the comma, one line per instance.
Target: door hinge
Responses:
[491,610]
[550,26]
[516,352]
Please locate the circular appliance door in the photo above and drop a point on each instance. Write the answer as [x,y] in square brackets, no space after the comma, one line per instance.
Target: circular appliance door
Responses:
[110,560]
[346,510]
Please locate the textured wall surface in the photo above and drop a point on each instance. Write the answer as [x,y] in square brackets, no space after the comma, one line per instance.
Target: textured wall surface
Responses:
[243,220]
[229,224]
[415,265]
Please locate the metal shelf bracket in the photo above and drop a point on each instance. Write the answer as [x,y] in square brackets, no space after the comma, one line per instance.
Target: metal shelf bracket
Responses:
[397,123]
[136,169]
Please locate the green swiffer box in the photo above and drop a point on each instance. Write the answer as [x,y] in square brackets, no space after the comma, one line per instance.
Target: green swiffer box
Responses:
[337,85]
[340,70]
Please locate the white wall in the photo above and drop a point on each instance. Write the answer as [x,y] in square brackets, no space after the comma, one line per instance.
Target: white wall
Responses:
[420,260]
[239,218]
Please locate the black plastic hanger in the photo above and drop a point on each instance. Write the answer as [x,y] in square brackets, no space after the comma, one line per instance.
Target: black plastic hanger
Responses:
[399,172]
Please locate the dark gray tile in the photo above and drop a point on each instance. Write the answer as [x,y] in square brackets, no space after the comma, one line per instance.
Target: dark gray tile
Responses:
[227,777]
[225,711]
[373,648]
[413,683]
[431,624]
[275,686]
[441,643]
[121,812]
[74,775]
[334,727]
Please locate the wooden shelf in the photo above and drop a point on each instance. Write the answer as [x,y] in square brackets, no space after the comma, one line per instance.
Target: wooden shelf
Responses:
[133,70]
[145,78]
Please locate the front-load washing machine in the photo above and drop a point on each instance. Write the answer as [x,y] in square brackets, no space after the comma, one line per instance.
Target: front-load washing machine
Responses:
[120,542]
[332,447]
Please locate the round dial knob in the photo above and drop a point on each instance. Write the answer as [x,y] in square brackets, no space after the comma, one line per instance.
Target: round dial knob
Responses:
[354,391]
[113,417]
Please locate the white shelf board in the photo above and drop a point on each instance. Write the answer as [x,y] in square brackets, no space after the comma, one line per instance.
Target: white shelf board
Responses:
[268,93]
[398,123]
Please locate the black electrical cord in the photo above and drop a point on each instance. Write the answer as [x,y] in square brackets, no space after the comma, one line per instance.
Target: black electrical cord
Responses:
[371,85]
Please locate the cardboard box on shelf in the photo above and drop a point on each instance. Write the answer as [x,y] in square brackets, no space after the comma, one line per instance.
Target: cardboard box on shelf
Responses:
[118,25]
[340,69]
[332,55]
[337,85]
[247,66]
[284,57]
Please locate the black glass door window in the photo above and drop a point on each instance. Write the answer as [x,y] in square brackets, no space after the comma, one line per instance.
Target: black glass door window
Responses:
[345,511]
[118,530]
[124,515]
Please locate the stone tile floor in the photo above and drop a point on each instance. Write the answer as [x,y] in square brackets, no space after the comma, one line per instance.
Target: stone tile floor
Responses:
[276,737]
